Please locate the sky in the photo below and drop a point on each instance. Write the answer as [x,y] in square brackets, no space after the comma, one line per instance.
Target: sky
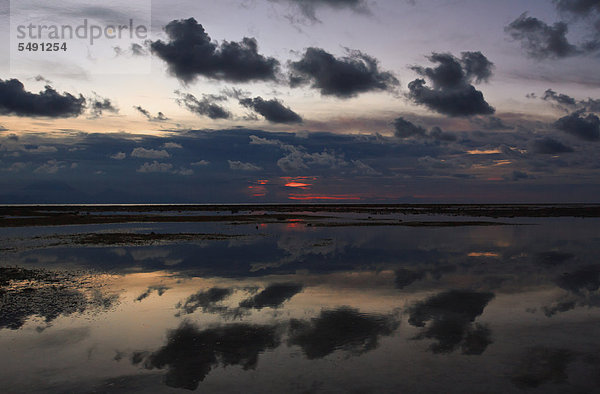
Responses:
[255,101]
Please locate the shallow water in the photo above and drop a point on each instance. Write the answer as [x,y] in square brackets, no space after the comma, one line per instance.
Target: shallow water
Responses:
[286,307]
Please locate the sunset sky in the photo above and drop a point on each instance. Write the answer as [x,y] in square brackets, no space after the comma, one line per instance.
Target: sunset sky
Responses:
[303,101]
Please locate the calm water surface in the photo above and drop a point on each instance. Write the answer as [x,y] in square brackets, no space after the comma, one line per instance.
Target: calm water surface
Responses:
[286,307]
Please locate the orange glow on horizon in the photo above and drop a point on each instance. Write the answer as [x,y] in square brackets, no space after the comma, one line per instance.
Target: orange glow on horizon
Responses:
[483,152]
[257,191]
[483,254]
[322,197]
[297,184]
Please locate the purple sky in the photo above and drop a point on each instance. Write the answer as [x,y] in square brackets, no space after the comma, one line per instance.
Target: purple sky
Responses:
[304,101]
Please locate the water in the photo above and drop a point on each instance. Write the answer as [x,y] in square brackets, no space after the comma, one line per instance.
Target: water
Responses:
[287,307]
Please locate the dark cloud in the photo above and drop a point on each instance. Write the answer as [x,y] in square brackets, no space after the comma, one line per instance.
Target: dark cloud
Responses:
[405,277]
[587,278]
[98,105]
[273,110]
[14,100]
[590,105]
[190,353]
[476,66]
[582,286]
[451,315]
[550,146]
[580,8]
[309,7]
[273,296]
[341,77]
[541,40]
[160,117]
[542,365]
[569,103]
[452,72]
[190,53]
[584,127]
[440,135]
[490,123]
[559,98]
[559,307]
[340,329]
[406,129]
[159,289]
[206,300]
[452,93]
[207,106]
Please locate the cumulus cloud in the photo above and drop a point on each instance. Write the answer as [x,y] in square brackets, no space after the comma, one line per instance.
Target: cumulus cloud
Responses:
[577,124]
[160,117]
[341,329]
[343,77]
[190,53]
[272,296]
[241,166]
[200,163]
[207,106]
[40,149]
[15,100]
[541,40]
[273,110]
[578,7]
[207,301]
[118,156]
[98,105]
[452,92]
[559,98]
[586,10]
[582,286]
[184,171]
[50,167]
[568,103]
[159,289]
[155,166]
[190,353]
[149,153]
[406,129]
[172,145]
[297,158]
[452,314]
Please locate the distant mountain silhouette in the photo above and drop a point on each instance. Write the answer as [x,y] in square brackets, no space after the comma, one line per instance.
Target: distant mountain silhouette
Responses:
[58,192]
[46,192]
